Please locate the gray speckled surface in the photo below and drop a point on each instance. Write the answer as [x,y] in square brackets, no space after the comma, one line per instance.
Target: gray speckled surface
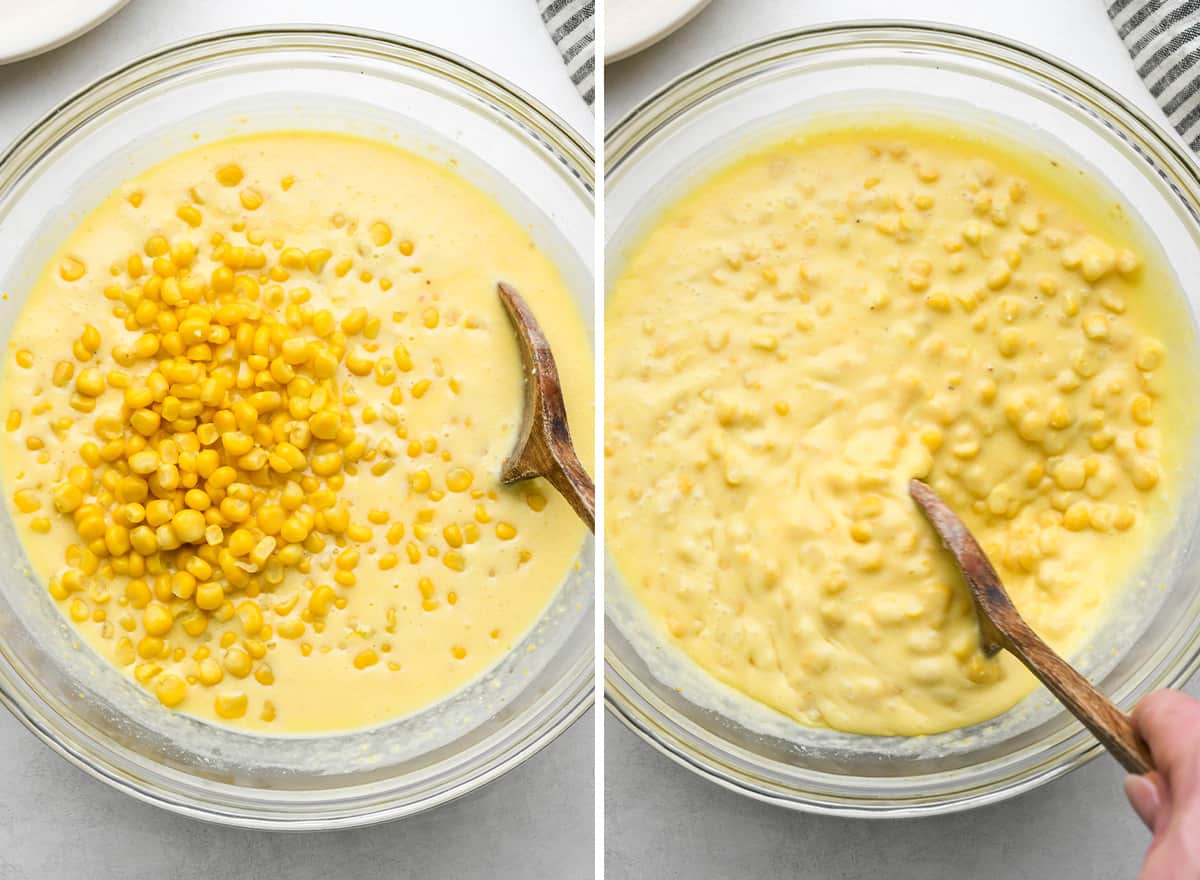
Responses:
[663,821]
[57,823]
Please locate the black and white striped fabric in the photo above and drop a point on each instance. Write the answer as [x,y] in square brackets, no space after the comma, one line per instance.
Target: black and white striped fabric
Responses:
[572,26]
[1163,39]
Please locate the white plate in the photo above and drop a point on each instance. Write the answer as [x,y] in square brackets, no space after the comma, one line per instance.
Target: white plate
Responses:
[632,25]
[30,27]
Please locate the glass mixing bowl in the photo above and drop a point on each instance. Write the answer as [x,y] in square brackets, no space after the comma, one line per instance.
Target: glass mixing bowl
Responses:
[228,84]
[979,80]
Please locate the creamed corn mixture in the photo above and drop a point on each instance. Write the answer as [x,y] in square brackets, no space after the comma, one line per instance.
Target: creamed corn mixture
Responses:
[825,319]
[255,411]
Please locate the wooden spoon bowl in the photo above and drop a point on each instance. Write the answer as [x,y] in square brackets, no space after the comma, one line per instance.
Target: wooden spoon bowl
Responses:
[544,446]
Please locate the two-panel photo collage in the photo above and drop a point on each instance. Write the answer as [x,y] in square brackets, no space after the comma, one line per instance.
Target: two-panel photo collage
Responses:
[580,439]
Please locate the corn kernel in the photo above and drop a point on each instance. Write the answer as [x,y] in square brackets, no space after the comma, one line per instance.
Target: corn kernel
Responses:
[171,690]
[71,269]
[231,704]
[209,672]
[321,600]
[459,480]
[229,175]
[237,662]
[209,596]
[157,620]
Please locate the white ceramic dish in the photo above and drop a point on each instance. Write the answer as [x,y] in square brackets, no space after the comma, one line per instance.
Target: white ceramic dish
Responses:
[633,25]
[31,27]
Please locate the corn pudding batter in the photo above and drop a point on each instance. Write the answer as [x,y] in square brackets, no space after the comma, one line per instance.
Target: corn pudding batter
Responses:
[255,411]
[823,320]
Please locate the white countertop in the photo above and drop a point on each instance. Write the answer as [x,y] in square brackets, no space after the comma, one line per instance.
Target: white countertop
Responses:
[1075,30]
[664,822]
[56,823]
[506,36]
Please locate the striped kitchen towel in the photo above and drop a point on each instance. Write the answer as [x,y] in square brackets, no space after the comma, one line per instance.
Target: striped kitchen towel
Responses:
[572,26]
[1163,39]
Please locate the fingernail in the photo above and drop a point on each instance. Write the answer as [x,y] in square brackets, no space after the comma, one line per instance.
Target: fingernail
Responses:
[1144,797]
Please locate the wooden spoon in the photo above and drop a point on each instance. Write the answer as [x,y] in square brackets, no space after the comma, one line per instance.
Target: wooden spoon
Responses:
[1000,626]
[544,445]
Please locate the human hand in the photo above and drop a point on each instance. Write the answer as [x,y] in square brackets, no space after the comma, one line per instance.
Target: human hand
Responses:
[1168,800]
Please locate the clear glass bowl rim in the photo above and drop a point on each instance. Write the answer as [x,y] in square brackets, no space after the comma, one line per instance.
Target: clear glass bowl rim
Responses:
[574,692]
[691,89]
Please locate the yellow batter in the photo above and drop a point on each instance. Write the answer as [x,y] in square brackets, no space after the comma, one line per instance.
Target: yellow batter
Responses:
[255,411]
[821,321]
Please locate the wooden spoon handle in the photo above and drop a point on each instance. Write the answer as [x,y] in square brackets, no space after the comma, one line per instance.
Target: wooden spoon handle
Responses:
[573,483]
[1111,726]
[1001,625]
